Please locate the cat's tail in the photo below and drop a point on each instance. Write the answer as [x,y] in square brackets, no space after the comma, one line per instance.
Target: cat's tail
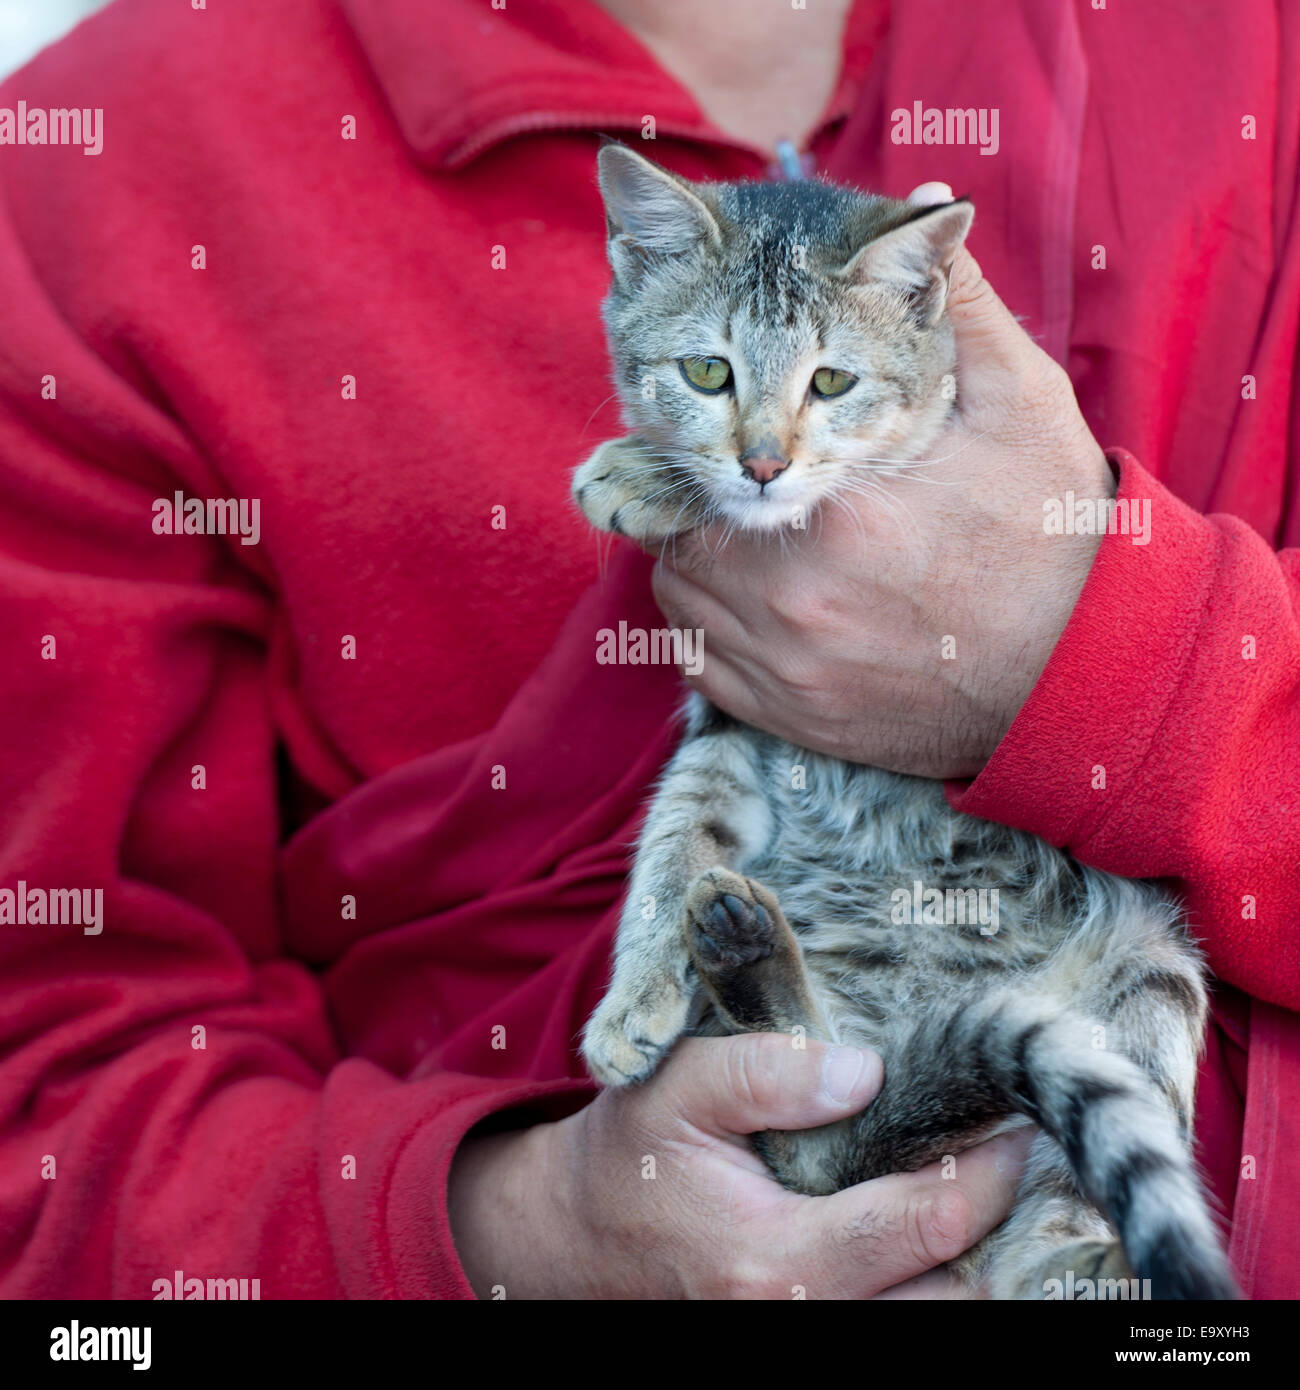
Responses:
[1121,1135]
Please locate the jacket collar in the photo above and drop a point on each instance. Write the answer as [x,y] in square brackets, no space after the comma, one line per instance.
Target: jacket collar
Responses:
[461,76]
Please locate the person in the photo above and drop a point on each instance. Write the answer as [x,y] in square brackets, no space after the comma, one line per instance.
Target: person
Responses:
[356,793]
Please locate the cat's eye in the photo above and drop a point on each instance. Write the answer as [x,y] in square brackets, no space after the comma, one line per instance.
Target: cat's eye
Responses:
[709,374]
[829,382]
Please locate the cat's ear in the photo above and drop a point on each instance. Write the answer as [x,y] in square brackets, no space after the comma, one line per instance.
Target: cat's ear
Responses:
[650,212]
[916,257]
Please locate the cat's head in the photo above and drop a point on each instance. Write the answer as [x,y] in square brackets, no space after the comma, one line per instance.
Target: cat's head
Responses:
[772,340]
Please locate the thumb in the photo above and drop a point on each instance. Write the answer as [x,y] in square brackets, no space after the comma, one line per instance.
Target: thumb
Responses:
[989,340]
[757,1081]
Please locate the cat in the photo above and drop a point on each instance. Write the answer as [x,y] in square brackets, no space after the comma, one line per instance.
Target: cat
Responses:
[757,313]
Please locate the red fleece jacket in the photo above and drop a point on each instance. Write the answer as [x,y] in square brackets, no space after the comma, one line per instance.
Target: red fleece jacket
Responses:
[345,257]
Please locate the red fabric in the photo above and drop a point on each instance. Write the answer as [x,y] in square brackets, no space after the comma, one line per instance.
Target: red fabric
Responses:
[483,914]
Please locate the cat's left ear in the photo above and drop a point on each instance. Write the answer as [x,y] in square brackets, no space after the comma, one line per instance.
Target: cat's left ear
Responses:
[916,257]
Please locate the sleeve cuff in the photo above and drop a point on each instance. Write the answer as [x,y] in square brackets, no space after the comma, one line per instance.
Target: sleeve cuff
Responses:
[424,1260]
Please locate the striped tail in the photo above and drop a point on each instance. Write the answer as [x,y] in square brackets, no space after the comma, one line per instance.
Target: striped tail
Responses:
[1121,1135]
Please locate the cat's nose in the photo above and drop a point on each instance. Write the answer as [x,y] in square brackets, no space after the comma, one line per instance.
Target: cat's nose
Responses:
[763,467]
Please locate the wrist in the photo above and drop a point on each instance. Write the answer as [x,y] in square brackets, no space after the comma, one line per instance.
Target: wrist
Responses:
[506,1212]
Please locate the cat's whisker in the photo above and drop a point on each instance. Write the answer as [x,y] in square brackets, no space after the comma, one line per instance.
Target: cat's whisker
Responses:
[669,487]
[880,498]
[908,464]
[731,530]
[604,548]
[896,472]
[869,488]
[597,411]
[654,470]
[856,520]
[698,492]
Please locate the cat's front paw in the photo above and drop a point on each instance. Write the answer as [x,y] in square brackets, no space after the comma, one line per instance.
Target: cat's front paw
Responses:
[630,1033]
[620,488]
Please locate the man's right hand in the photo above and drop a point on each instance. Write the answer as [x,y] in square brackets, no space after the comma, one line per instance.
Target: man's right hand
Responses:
[576,1209]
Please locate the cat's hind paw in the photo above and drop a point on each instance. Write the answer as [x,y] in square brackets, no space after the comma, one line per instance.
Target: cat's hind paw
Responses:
[1091,1268]
[731,921]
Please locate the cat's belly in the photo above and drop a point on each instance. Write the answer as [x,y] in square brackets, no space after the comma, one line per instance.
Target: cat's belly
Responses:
[896,898]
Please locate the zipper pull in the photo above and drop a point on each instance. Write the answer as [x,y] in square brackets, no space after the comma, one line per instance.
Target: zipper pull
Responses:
[790,165]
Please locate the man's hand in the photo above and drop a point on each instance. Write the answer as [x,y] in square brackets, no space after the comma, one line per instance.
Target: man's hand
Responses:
[905,628]
[573,1209]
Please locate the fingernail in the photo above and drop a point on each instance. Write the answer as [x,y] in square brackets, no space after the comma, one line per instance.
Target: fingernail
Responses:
[931,194]
[847,1072]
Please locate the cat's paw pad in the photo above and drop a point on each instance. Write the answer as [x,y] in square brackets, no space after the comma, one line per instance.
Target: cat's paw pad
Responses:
[731,921]
[628,1037]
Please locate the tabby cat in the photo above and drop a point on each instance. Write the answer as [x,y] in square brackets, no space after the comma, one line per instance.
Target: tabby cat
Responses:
[760,313]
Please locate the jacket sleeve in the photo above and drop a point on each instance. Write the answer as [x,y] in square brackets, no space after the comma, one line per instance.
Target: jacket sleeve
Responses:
[1163,737]
[171,1094]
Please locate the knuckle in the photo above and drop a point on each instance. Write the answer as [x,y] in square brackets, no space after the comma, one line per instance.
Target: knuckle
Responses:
[968,291]
[796,664]
[1042,382]
[674,611]
[666,586]
[977,293]
[940,1225]
[757,1068]
[802,608]
[797,674]
[744,1278]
